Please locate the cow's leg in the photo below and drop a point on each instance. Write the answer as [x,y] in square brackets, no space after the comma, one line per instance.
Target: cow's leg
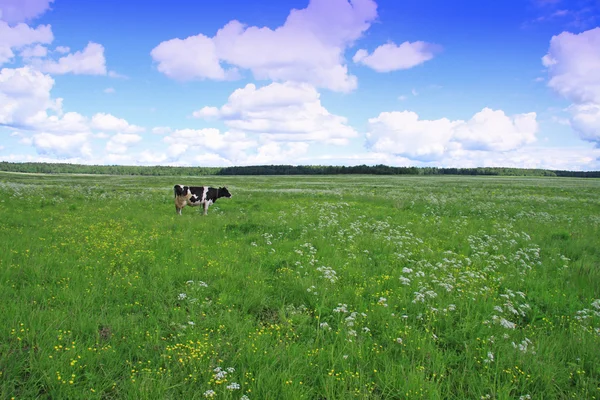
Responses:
[178,210]
[205,207]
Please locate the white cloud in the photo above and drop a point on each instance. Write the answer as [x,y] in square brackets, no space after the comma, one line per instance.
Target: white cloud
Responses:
[491,130]
[308,47]
[62,146]
[586,120]
[206,113]
[193,57]
[24,93]
[230,145]
[114,74]
[391,57]
[89,61]
[36,51]
[404,134]
[281,112]
[109,90]
[13,11]
[26,103]
[119,143]
[108,122]
[161,130]
[573,62]
[62,49]
[557,158]
[21,36]
[273,152]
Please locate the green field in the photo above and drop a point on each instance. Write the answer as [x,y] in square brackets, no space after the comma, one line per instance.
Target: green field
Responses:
[304,287]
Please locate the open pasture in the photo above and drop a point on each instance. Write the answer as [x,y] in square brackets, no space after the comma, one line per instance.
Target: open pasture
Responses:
[303,287]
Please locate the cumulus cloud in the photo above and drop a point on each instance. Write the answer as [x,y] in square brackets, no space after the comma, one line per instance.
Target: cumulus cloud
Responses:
[308,47]
[36,51]
[404,134]
[24,93]
[26,103]
[14,11]
[281,112]
[189,58]
[161,130]
[62,146]
[274,152]
[119,143]
[89,61]
[391,57]
[108,122]
[573,62]
[230,145]
[21,36]
[557,158]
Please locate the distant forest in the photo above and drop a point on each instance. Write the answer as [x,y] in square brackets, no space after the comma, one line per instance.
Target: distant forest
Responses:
[63,168]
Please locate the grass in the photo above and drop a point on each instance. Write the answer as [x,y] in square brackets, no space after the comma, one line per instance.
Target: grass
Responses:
[304,287]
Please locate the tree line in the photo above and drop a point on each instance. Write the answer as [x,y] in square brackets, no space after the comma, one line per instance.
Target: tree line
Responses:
[159,170]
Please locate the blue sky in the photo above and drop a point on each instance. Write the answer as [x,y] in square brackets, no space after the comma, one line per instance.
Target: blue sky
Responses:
[343,82]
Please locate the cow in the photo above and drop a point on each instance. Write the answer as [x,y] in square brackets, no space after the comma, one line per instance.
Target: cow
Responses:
[197,195]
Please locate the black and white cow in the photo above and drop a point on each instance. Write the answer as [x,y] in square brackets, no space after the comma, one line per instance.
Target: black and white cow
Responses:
[198,195]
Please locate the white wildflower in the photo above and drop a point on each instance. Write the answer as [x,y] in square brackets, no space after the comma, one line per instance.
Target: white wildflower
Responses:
[507,324]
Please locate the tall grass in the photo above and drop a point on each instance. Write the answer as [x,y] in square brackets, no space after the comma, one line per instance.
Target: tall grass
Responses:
[307,287]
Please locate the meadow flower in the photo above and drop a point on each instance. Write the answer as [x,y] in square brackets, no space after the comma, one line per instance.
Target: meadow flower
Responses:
[341,308]
[399,340]
[233,386]
[219,376]
[210,393]
[182,296]
[507,324]
[490,357]
[404,280]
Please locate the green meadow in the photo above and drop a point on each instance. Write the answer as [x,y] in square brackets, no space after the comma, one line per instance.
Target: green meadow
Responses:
[301,287]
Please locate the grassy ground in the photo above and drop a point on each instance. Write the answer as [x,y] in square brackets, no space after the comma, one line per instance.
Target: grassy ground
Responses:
[316,287]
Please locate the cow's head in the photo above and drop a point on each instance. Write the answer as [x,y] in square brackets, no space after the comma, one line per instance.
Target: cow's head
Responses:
[180,190]
[223,192]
